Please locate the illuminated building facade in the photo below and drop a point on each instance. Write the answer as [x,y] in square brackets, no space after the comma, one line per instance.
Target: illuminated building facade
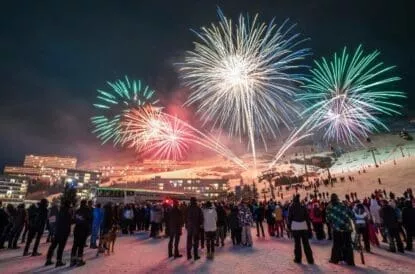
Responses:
[83,177]
[49,168]
[205,188]
[62,162]
[13,189]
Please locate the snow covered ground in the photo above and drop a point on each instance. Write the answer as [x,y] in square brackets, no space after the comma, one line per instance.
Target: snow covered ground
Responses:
[138,254]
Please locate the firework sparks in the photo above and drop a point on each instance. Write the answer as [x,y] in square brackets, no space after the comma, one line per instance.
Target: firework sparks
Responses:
[164,136]
[346,97]
[124,95]
[148,130]
[241,76]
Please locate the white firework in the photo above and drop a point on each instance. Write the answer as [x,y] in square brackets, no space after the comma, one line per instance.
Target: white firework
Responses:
[242,76]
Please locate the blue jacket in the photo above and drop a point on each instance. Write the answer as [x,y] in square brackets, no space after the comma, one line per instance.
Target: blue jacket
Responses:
[98,216]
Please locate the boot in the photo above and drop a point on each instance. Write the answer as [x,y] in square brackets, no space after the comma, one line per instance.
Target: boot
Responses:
[48,262]
[73,262]
[60,263]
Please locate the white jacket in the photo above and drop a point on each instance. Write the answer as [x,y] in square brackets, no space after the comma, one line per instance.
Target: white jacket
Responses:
[374,211]
[209,219]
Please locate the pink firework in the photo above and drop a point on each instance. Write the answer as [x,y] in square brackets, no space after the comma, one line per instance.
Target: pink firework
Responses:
[153,133]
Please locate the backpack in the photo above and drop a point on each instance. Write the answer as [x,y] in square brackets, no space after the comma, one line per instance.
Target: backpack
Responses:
[317,212]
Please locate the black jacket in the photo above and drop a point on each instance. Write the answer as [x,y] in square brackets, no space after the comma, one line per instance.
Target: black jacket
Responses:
[108,218]
[260,213]
[82,220]
[389,217]
[63,223]
[408,217]
[4,219]
[21,216]
[175,220]
[194,218]
[233,219]
[269,215]
[298,213]
[220,211]
[37,217]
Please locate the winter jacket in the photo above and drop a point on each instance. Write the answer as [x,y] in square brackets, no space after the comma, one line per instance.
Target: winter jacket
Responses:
[389,217]
[408,217]
[298,218]
[278,213]
[221,216]
[245,216]
[339,216]
[37,217]
[233,219]
[194,218]
[156,215]
[260,213]
[4,219]
[128,214]
[63,224]
[210,218]
[82,220]
[374,211]
[53,214]
[316,213]
[108,220]
[97,217]
[269,215]
[361,217]
[21,216]
[175,220]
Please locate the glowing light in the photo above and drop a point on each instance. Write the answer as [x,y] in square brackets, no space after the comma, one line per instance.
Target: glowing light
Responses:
[346,98]
[124,95]
[241,76]
[164,136]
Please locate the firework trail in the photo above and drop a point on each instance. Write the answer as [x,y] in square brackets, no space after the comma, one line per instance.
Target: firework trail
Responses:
[345,98]
[124,95]
[241,76]
[161,135]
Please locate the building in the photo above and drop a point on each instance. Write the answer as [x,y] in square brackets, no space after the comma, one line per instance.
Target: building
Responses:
[22,171]
[48,173]
[104,195]
[49,168]
[83,177]
[62,162]
[13,189]
[205,188]
[84,181]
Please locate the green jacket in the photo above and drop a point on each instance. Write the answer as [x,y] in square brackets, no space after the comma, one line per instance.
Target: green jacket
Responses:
[339,216]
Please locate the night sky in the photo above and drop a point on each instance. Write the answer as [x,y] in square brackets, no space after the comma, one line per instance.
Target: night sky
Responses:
[55,54]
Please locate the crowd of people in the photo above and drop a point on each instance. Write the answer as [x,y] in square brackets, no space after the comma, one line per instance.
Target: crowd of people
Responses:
[381,216]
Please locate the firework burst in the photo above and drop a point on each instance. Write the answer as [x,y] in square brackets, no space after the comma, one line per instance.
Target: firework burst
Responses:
[163,136]
[150,131]
[346,98]
[124,95]
[347,95]
[241,76]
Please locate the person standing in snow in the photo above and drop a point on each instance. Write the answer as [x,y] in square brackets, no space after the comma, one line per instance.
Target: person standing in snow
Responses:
[174,225]
[97,218]
[210,219]
[82,223]
[194,221]
[299,224]
[246,219]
